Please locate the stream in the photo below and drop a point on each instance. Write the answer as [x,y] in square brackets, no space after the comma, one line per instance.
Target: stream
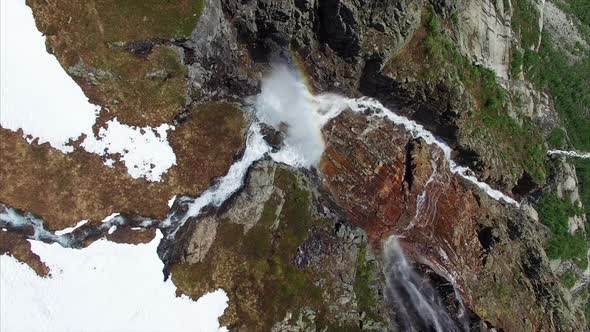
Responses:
[284,99]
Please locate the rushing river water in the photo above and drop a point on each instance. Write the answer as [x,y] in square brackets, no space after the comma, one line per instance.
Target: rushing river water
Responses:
[286,100]
[417,303]
[572,154]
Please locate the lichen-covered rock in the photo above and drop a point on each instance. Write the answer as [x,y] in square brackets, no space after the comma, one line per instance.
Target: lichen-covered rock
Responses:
[285,258]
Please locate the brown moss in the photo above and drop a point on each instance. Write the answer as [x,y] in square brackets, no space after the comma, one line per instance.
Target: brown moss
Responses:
[17,246]
[84,33]
[128,235]
[65,188]
[255,269]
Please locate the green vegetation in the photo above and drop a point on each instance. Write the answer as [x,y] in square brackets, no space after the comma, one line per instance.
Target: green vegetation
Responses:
[568,279]
[578,8]
[554,213]
[257,266]
[365,276]
[583,173]
[550,69]
[139,96]
[525,22]
[139,19]
[516,62]
[557,139]
[503,292]
[568,84]
[89,38]
[490,123]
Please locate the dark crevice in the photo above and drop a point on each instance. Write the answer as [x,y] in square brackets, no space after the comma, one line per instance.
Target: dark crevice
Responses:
[409,167]
[525,185]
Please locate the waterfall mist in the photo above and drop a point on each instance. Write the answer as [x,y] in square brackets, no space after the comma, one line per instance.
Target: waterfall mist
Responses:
[417,304]
[286,104]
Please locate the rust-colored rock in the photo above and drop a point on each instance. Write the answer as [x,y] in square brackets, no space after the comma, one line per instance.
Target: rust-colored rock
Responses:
[392,184]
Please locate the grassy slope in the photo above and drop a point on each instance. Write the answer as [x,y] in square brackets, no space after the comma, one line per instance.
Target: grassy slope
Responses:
[491,122]
[90,35]
[549,69]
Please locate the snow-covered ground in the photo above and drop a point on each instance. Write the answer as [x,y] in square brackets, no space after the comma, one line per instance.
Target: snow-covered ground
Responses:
[105,287]
[36,93]
[145,151]
[39,97]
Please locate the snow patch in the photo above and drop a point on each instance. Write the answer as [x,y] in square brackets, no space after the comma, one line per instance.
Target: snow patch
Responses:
[171,201]
[145,151]
[104,287]
[71,229]
[39,97]
[36,94]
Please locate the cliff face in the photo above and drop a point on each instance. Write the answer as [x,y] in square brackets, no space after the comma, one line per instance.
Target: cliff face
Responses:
[390,183]
[303,250]
[428,60]
[286,255]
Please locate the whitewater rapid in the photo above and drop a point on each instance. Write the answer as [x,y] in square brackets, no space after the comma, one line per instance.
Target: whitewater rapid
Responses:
[334,105]
[572,154]
[286,104]
[418,304]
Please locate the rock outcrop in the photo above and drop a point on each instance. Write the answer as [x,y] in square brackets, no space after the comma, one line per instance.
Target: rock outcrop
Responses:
[285,256]
[305,250]
[389,183]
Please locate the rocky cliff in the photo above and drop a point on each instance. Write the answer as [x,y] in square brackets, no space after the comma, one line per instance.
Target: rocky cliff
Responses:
[299,249]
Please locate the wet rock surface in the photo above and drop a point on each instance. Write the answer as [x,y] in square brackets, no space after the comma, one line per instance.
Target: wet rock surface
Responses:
[443,222]
[298,250]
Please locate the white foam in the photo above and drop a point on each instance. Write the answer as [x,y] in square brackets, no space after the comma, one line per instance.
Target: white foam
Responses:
[572,154]
[331,105]
[284,101]
[215,195]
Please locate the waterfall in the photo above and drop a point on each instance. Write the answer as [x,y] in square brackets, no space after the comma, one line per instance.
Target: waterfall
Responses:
[417,305]
[572,154]
[285,102]
[331,105]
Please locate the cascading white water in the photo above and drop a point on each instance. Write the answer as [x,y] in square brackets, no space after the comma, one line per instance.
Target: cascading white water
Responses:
[256,148]
[286,104]
[426,206]
[417,304]
[572,154]
[331,105]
